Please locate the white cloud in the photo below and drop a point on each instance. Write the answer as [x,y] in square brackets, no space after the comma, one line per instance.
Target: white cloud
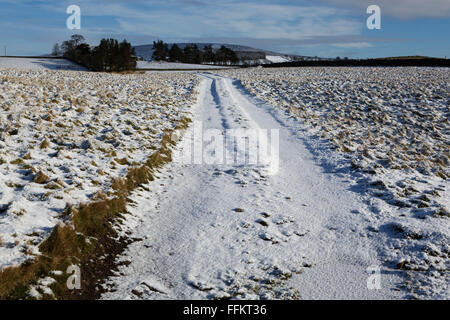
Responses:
[405,9]
[225,18]
[280,21]
[356,45]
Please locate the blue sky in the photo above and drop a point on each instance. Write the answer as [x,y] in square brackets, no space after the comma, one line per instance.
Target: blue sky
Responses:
[325,28]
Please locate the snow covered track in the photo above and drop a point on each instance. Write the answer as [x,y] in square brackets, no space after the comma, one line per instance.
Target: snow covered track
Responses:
[212,232]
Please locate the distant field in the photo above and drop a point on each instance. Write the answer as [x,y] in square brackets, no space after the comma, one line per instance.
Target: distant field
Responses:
[38,64]
[175,66]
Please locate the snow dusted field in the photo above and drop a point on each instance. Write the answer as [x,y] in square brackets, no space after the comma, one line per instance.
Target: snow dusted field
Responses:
[390,132]
[362,180]
[39,64]
[64,137]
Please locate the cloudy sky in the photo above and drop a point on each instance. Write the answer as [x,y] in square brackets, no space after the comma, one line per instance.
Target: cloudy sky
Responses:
[326,28]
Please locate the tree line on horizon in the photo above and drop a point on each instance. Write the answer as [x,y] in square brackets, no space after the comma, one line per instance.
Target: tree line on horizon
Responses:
[109,55]
[192,54]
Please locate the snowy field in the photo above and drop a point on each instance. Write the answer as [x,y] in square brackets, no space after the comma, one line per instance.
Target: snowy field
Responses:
[161,65]
[39,64]
[390,132]
[362,182]
[64,137]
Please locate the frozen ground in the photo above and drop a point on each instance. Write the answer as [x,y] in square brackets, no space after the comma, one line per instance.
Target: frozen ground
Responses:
[173,65]
[39,64]
[64,138]
[215,232]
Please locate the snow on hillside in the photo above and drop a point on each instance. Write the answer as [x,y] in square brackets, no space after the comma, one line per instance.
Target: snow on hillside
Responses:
[39,64]
[277,59]
[64,137]
[387,131]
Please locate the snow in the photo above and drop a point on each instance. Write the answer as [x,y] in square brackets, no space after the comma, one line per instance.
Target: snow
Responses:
[41,288]
[213,232]
[39,64]
[162,65]
[277,59]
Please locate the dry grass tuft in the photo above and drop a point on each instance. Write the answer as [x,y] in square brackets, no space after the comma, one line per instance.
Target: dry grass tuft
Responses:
[27,156]
[17,161]
[44,144]
[41,178]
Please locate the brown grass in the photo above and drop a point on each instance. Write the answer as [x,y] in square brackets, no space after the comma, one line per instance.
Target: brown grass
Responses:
[67,243]
[123,161]
[27,156]
[40,178]
[17,161]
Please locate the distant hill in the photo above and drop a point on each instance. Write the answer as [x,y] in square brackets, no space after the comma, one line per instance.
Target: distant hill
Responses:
[407,58]
[247,55]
